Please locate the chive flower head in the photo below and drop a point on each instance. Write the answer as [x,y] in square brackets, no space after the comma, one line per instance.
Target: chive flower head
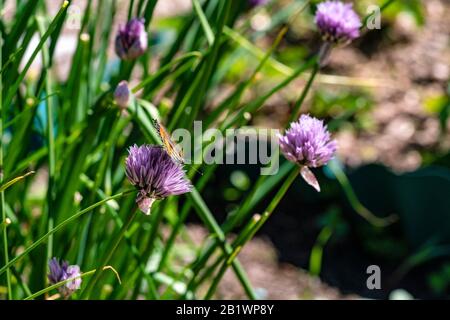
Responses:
[337,22]
[155,174]
[308,143]
[61,272]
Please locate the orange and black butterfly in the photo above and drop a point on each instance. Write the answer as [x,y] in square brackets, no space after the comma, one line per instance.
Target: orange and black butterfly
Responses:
[170,146]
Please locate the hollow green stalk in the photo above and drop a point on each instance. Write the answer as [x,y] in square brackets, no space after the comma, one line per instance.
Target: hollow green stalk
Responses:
[109,253]
[50,142]
[243,236]
[61,226]
[2,193]
[298,104]
[250,230]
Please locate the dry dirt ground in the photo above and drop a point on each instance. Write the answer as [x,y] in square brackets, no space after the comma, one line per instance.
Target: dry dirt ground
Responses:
[417,67]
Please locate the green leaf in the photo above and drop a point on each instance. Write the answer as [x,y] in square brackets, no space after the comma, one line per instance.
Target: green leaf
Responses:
[8,184]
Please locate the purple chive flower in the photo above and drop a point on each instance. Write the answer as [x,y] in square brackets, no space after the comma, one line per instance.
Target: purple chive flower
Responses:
[337,21]
[153,172]
[122,94]
[308,143]
[131,40]
[62,271]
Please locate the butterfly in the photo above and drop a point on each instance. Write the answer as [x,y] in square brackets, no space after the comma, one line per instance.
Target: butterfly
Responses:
[171,148]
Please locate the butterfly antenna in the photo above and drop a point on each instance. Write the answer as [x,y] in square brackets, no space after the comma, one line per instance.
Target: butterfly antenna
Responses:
[198,171]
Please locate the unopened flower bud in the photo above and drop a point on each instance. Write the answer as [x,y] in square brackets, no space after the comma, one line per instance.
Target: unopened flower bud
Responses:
[131,40]
[122,94]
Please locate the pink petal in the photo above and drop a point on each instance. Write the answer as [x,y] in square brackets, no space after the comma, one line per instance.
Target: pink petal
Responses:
[145,205]
[310,178]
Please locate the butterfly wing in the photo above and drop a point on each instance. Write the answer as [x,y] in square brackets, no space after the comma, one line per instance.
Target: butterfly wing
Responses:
[168,144]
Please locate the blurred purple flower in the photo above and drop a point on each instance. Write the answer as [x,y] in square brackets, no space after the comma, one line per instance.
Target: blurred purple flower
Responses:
[308,143]
[60,272]
[255,3]
[153,172]
[337,21]
[131,40]
[122,94]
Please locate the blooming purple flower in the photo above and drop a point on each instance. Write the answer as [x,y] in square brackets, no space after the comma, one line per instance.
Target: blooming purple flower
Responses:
[131,40]
[337,21]
[122,94]
[308,143]
[153,172]
[60,272]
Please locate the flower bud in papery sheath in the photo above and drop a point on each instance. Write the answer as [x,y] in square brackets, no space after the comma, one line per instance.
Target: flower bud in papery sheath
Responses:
[308,143]
[337,21]
[153,172]
[122,94]
[61,272]
[131,40]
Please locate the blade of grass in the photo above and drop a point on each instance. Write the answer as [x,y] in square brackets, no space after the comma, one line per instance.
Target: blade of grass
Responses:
[200,185]
[21,281]
[12,91]
[354,201]
[116,128]
[204,22]
[234,98]
[157,218]
[256,104]
[254,50]
[20,25]
[148,11]
[315,259]
[4,186]
[260,190]
[236,245]
[51,192]
[211,60]
[250,230]
[59,227]
[211,224]
[61,283]
[130,9]
[11,59]
[153,291]
[295,114]
[8,184]
[285,70]
[243,236]
[108,254]
[150,79]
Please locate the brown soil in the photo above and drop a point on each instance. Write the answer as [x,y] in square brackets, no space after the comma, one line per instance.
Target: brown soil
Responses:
[417,67]
[271,279]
